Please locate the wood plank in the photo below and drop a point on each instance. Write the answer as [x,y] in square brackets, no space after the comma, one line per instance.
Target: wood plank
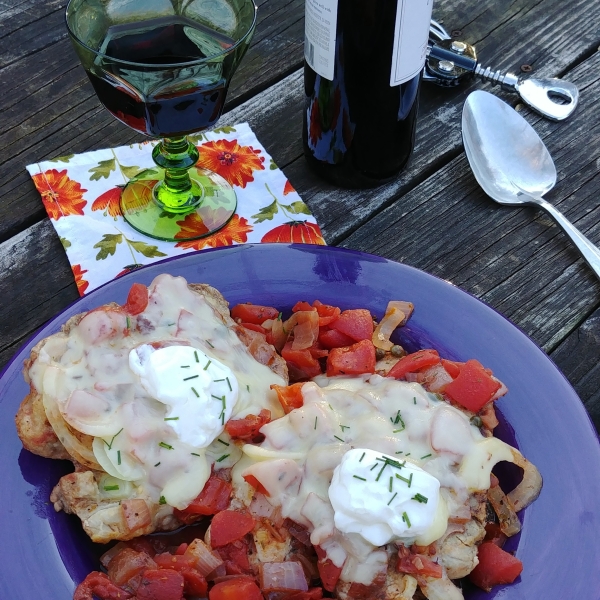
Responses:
[517,260]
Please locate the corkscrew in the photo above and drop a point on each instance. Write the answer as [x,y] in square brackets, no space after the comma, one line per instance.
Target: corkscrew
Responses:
[449,62]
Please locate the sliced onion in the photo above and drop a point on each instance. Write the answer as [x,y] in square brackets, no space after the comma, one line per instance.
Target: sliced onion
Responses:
[415,377]
[206,560]
[279,334]
[501,390]
[509,522]
[260,507]
[531,484]
[298,531]
[436,378]
[283,577]
[110,554]
[396,314]
[306,331]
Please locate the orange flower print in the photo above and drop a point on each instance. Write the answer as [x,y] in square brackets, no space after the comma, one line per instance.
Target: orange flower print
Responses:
[236,231]
[82,284]
[231,161]
[61,196]
[295,232]
[109,201]
[288,188]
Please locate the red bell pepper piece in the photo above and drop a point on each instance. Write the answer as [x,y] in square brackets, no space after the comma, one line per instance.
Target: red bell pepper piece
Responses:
[495,567]
[411,363]
[354,360]
[473,388]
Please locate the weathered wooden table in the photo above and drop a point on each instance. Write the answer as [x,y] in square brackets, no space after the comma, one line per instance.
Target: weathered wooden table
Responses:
[434,217]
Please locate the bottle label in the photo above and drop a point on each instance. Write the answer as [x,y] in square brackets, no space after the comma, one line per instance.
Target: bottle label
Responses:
[319,36]
[410,39]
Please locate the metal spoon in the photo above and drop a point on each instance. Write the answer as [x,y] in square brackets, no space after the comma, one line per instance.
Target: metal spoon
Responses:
[512,164]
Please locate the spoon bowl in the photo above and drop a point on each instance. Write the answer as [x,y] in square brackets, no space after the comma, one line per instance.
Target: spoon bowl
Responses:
[512,164]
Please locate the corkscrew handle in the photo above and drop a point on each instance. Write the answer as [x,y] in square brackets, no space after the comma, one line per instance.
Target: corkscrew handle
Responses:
[450,61]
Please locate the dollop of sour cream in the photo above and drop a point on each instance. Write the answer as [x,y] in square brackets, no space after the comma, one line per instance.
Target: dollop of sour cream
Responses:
[383,498]
[199,391]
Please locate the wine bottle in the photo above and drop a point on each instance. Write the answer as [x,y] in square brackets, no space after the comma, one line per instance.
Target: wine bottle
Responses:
[362,71]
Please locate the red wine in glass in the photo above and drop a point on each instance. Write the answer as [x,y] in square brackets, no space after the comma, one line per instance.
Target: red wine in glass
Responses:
[144,100]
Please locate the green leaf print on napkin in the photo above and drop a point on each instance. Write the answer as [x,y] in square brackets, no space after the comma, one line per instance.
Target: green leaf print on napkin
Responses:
[296,208]
[266,212]
[64,159]
[108,246]
[104,169]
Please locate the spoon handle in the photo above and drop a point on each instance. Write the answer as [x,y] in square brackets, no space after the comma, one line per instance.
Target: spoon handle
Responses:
[590,252]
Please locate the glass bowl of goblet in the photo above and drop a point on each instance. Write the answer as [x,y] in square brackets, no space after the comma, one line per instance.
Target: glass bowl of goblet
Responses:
[163,68]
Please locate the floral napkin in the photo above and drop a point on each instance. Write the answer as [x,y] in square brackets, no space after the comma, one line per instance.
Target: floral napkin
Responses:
[81,195]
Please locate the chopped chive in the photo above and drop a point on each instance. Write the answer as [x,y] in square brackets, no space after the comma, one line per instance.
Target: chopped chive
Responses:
[407,454]
[381,471]
[404,478]
[373,467]
[110,488]
[222,442]
[392,420]
[363,455]
[164,445]
[426,456]
[208,342]
[184,367]
[410,480]
[217,397]
[331,407]
[158,463]
[194,454]
[192,377]
[279,316]
[223,418]
[196,356]
[395,494]
[398,430]
[399,452]
[171,419]
[339,438]
[113,439]
[162,500]
[118,457]
[247,387]
[391,483]
[357,477]
[420,498]
[207,365]
[229,384]
[128,322]
[222,458]
[195,392]
[414,399]
[343,427]
[219,380]
[406,519]
[316,422]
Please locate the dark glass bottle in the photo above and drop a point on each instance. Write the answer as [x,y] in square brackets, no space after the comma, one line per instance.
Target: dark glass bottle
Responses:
[359,124]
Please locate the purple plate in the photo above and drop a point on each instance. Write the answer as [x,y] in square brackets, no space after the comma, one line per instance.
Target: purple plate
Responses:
[44,554]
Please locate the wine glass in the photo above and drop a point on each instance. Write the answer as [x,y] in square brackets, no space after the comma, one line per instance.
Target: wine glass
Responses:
[163,67]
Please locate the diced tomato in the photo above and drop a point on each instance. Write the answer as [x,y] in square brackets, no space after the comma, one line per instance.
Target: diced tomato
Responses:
[176,562]
[452,367]
[213,498]
[317,351]
[417,564]
[414,362]
[331,338]
[311,594]
[302,306]
[236,589]
[181,549]
[194,583]
[356,323]
[495,567]
[289,396]
[327,314]
[248,428]
[98,585]
[256,484]
[493,533]
[127,565]
[253,313]
[302,360]
[160,584]
[137,299]
[236,554]
[328,572]
[254,327]
[473,388]
[354,360]
[228,526]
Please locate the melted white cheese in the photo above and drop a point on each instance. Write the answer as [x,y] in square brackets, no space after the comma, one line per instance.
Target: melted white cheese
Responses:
[85,378]
[344,417]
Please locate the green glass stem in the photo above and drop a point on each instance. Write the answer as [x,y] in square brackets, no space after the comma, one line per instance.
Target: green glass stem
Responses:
[177,193]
